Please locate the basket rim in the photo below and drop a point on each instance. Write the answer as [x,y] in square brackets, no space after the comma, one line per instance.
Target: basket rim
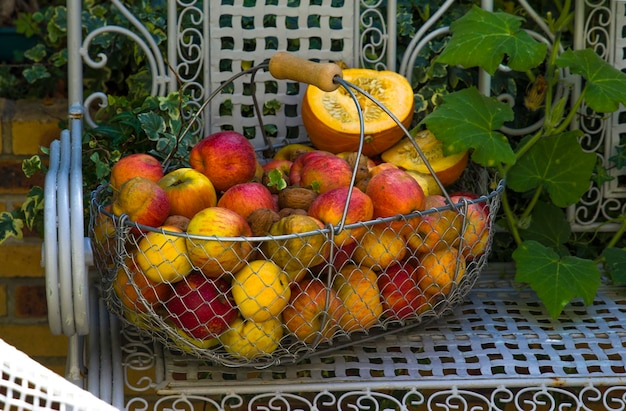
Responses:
[124,221]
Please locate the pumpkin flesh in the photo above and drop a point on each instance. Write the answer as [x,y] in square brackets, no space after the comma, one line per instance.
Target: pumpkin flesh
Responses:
[332,120]
[447,168]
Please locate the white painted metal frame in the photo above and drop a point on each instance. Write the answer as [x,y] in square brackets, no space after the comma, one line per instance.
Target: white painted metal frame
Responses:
[26,385]
[501,341]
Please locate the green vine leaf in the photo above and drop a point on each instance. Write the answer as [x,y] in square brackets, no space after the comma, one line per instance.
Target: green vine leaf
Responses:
[615,264]
[549,226]
[486,39]
[556,280]
[558,164]
[469,120]
[606,85]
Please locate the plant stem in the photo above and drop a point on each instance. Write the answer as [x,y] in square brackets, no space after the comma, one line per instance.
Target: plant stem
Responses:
[522,150]
[618,234]
[573,112]
[533,201]
[511,219]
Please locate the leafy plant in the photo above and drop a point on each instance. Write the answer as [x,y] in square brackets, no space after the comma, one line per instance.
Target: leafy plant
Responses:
[44,70]
[546,171]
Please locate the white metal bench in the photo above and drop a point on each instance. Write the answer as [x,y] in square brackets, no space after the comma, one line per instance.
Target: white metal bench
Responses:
[501,348]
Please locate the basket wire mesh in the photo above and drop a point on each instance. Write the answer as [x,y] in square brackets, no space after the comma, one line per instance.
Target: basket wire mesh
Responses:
[278,298]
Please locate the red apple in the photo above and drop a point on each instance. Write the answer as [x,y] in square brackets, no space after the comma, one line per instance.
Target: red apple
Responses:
[202,307]
[313,312]
[135,165]
[244,198]
[299,162]
[476,233]
[188,191]
[282,165]
[143,201]
[216,256]
[323,173]
[394,192]
[402,298]
[226,158]
[343,255]
[329,209]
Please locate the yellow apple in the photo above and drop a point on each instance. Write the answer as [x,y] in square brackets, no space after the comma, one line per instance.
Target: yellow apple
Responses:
[248,339]
[212,255]
[296,254]
[379,248]
[357,288]
[261,290]
[162,255]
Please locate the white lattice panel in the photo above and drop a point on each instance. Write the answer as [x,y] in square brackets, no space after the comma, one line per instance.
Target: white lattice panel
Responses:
[242,34]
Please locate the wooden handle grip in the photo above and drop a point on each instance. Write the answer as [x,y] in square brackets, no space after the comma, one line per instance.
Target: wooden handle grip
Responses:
[284,65]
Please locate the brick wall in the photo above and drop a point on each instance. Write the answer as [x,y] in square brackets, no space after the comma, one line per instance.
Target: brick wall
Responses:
[25,126]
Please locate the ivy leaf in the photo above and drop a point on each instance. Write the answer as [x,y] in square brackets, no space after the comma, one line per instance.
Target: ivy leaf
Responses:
[556,280]
[606,85]
[33,206]
[469,120]
[557,163]
[619,159]
[549,226]
[32,166]
[601,174]
[152,124]
[35,72]
[36,53]
[10,227]
[171,104]
[615,264]
[486,39]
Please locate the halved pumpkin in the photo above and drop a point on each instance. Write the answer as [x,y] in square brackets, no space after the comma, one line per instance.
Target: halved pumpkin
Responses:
[332,121]
[447,168]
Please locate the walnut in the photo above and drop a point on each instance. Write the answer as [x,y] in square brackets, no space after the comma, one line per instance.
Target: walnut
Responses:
[296,197]
[362,170]
[284,212]
[177,221]
[261,219]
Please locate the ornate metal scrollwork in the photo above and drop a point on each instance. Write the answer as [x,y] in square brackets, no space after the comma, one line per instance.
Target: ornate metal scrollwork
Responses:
[143,39]
[373,36]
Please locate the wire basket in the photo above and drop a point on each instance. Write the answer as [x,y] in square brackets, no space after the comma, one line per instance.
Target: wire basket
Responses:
[279,297]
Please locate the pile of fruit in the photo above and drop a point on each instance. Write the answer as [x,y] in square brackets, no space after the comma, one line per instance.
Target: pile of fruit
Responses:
[234,255]
[245,261]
